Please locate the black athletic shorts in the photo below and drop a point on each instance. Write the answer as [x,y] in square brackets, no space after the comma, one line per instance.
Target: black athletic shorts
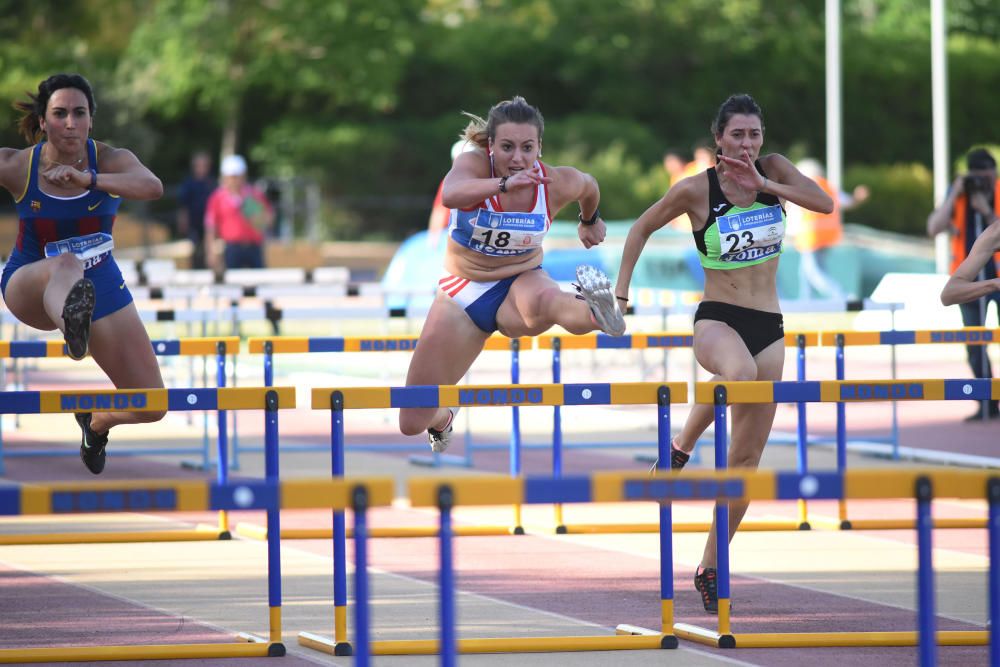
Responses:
[757,328]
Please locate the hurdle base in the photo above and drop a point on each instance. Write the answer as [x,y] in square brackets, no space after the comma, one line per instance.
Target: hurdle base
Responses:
[666,641]
[902,524]
[324,645]
[198,534]
[255,532]
[521,644]
[134,652]
[704,636]
[678,527]
[826,639]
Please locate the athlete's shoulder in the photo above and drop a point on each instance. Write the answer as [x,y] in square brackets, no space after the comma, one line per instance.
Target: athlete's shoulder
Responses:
[13,167]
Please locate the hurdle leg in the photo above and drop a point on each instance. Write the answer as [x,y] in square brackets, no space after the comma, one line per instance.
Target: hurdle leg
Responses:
[341,645]
[993,495]
[925,575]
[722,523]
[666,527]
[515,430]
[802,442]
[276,647]
[362,623]
[222,467]
[557,445]
[845,523]
[449,643]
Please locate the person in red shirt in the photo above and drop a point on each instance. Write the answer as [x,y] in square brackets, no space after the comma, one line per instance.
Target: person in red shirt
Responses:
[239,215]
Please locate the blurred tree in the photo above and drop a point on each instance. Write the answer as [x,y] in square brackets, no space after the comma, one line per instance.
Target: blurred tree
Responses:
[221,57]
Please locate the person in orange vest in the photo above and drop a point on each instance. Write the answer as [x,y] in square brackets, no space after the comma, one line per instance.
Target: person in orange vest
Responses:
[813,234]
[972,204]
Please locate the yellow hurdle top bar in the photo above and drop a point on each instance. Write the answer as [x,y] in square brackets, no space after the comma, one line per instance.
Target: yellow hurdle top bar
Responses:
[625,393]
[699,485]
[166,495]
[14,349]
[966,336]
[832,391]
[302,345]
[143,400]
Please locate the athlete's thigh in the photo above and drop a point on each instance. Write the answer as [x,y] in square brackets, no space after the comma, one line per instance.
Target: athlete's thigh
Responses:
[518,313]
[24,293]
[720,350]
[121,347]
[771,361]
[448,344]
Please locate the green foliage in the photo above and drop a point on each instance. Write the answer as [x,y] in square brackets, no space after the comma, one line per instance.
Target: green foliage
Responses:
[902,196]
[364,96]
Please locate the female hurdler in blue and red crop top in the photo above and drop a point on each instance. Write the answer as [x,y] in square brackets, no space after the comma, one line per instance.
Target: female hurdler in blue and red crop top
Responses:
[61,273]
[737,216]
[503,200]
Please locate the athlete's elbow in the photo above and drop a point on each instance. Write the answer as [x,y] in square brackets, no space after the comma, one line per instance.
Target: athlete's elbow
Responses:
[151,188]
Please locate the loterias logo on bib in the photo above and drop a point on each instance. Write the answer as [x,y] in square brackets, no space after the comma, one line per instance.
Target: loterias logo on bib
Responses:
[881,391]
[102,401]
[499,396]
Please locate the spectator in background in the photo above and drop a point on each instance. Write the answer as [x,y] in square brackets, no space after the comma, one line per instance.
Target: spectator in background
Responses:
[813,233]
[673,165]
[192,198]
[239,215]
[973,202]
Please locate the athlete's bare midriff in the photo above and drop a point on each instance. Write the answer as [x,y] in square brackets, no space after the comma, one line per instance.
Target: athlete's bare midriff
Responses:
[466,263]
[750,286]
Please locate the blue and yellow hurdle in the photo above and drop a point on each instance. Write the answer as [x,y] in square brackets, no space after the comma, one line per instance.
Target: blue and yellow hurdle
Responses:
[139,400]
[218,346]
[191,496]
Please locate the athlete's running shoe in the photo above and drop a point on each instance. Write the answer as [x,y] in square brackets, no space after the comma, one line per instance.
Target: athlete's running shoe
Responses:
[92,445]
[706,580]
[439,440]
[76,313]
[595,288]
[678,459]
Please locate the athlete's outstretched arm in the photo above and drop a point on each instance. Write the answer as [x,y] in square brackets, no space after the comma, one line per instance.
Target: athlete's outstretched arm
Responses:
[963,285]
[677,201]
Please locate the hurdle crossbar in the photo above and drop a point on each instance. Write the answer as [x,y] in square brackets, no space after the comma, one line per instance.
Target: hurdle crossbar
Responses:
[923,485]
[199,495]
[140,400]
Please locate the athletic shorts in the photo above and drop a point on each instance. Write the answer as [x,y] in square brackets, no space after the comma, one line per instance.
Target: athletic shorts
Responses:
[757,328]
[110,289]
[481,301]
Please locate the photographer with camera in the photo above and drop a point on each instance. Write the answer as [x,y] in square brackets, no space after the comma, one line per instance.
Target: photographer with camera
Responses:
[972,205]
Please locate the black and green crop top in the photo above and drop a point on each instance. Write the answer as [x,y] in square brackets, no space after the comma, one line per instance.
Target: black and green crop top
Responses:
[734,237]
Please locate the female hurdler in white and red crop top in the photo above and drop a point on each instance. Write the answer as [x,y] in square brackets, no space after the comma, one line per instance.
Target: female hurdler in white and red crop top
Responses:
[503,200]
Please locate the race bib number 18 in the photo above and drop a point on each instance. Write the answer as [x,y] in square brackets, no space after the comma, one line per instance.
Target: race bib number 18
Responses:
[502,233]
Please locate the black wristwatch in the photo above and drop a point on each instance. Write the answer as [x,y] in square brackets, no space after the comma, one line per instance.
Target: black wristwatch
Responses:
[593,218]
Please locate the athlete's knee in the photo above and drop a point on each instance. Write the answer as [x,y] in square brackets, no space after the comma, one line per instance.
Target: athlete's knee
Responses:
[743,457]
[411,423]
[744,371]
[537,315]
[151,416]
